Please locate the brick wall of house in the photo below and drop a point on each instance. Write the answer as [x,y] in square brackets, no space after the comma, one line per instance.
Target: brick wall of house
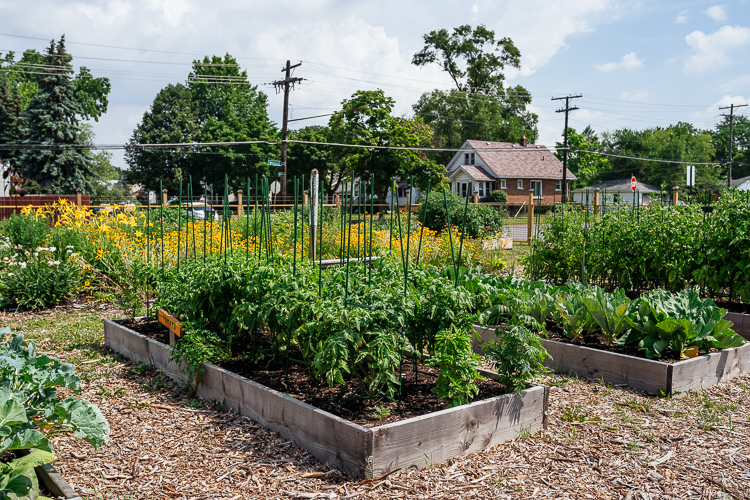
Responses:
[515,195]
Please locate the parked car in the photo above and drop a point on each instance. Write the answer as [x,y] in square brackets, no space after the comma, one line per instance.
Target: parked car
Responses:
[201,211]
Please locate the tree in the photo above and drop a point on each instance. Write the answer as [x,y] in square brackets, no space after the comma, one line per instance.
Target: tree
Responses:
[170,120]
[26,75]
[741,143]
[366,120]
[481,107]
[105,177]
[10,120]
[302,158]
[681,143]
[216,105]
[582,161]
[52,118]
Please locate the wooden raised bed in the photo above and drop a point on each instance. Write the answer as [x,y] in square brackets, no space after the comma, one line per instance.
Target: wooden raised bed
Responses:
[55,483]
[360,451]
[654,377]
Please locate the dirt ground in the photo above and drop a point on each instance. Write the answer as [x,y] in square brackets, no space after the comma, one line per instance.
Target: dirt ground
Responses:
[601,442]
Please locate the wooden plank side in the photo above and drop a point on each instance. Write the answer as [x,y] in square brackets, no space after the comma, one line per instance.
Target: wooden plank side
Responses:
[328,438]
[741,323]
[127,342]
[434,438]
[618,369]
[710,369]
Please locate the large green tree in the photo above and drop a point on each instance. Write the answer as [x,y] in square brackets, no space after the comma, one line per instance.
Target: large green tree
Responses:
[52,119]
[302,158]
[481,106]
[10,120]
[740,141]
[583,161]
[217,104]
[681,143]
[366,119]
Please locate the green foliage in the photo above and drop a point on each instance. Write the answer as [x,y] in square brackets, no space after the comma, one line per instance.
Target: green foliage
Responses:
[26,231]
[583,162]
[741,144]
[459,366]
[40,278]
[481,106]
[517,354]
[610,311]
[497,196]
[481,220]
[366,118]
[53,117]
[218,104]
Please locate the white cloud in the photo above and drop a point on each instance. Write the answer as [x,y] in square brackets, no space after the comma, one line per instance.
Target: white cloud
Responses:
[717,12]
[710,51]
[681,17]
[710,116]
[628,61]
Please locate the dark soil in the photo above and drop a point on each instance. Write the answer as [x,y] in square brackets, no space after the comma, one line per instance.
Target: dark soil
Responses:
[151,328]
[346,401]
[737,307]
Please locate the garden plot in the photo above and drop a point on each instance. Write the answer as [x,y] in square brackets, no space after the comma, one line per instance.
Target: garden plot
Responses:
[420,441]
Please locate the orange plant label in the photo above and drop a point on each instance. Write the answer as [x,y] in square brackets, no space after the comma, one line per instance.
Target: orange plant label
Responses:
[170,322]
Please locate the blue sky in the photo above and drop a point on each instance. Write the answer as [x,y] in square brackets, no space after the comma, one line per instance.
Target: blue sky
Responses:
[638,64]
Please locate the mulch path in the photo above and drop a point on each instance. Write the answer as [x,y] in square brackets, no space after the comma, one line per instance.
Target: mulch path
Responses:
[601,442]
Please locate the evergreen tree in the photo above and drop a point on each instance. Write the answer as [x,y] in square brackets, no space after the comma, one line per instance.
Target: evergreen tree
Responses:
[52,117]
[10,114]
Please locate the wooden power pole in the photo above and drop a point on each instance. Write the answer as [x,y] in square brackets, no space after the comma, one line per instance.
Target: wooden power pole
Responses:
[567,109]
[731,138]
[287,83]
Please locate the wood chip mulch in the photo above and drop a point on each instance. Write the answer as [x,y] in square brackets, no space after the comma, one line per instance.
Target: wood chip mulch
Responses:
[601,442]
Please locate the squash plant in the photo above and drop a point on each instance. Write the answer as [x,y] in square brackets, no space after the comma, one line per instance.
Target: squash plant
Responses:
[29,407]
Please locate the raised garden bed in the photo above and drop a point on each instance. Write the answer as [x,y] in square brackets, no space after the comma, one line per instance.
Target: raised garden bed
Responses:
[654,377]
[355,449]
[54,483]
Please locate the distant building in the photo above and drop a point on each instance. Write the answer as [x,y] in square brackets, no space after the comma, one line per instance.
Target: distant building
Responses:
[482,166]
[617,191]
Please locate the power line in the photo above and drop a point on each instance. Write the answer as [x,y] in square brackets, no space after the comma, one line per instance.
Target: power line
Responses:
[731,138]
[287,84]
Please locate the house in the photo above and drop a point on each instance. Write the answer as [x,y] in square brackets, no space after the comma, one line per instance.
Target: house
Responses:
[618,191]
[743,184]
[482,166]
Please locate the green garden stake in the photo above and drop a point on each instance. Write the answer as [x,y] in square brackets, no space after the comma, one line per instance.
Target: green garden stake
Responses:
[463,231]
[390,234]
[408,235]
[302,218]
[320,239]
[349,238]
[450,235]
[161,222]
[206,205]
[148,229]
[192,201]
[372,221]
[179,225]
[400,234]
[247,220]
[424,218]
[294,238]
[255,218]
[212,220]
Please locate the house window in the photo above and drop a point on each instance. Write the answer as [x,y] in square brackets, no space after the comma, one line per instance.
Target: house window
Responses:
[536,186]
[481,190]
[464,188]
[503,184]
[468,158]
[520,184]
[558,185]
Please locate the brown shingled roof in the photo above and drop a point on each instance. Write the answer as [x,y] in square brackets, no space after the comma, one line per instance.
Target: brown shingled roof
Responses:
[532,162]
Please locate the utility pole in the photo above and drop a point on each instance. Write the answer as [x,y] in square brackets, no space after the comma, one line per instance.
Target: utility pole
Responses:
[286,83]
[731,138]
[567,109]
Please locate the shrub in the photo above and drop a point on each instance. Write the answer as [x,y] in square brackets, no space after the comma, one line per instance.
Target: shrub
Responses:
[27,230]
[481,220]
[42,278]
[497,196]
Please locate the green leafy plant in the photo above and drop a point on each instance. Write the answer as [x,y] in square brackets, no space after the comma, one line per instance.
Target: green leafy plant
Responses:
[517,355]
[610,311]
[459,366]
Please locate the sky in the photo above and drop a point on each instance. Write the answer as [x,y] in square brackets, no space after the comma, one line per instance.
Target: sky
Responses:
[637,64]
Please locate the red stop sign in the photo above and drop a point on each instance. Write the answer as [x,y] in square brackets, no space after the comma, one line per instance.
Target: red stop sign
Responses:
[633,184]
